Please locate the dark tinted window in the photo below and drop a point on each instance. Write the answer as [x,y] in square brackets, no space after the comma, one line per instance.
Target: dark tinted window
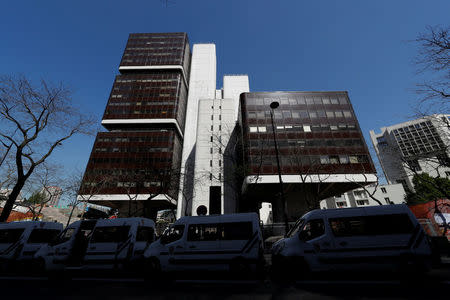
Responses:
[144,234]
[312,230]
[111,234]
[43,235]
[222,231]
[372,225]
[10,235]
[203,232]
[237,231]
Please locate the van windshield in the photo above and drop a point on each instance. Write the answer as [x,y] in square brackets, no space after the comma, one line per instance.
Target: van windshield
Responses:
[8,236]
[64,236]
[295,228]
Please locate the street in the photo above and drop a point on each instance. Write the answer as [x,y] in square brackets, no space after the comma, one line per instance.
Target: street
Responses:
[434,285]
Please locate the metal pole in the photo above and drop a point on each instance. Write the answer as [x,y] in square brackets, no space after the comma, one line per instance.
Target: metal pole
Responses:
[283,200]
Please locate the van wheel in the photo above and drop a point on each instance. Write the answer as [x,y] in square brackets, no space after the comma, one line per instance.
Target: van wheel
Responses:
[239,268]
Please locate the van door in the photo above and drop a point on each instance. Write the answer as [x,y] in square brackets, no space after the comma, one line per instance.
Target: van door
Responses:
[174,246]
[108,245]
[315,243]
[369,241]
[203,249]
[144,237]
[239,239]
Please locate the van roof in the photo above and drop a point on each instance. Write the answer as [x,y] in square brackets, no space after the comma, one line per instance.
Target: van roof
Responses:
[219,218]
[123,221]
[355,211]
[31,224]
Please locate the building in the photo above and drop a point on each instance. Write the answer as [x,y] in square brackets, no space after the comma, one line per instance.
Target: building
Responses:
[216,187]
[384,194]
[321,148]
[134,166]
[417,146]
[52,195]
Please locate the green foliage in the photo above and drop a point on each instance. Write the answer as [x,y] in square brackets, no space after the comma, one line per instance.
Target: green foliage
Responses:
[37,198]
[427,189]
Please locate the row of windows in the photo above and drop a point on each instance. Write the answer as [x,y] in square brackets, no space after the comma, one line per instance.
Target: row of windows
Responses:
[165,79]
[132,149]
[306,160]
[129,160]
[155,138]
[142,103]
[299,100]
[308,143]
[302,114]
[147,111]
[303,128]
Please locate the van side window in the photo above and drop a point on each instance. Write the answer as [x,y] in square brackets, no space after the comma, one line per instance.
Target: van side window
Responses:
[144,234]
[237,231]
[38,236]
[371,225]
[203,232]
[312,229]
[110,234]
[10,235]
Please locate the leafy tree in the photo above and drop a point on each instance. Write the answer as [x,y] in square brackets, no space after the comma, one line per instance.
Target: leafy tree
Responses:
[427,189]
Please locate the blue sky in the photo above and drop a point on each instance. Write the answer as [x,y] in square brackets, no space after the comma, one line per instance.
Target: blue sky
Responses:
[358,46]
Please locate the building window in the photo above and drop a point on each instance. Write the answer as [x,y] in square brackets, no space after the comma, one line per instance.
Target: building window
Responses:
[210,176]
[210,163]
[220,127]
[362,202]
[220,176]
[220,162]
[211,139]
[212,117]
[220,117]
[262,128]
[211,150]
[306,128]
[387,200]
[383,190]
[212,127]
[253,129]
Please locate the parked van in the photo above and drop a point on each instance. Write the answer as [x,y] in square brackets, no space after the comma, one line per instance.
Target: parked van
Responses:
[67,249]
[368,238]
[19,241]
[217,242]
[118,243]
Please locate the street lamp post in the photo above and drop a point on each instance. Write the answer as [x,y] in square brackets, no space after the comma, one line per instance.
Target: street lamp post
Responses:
[273,106]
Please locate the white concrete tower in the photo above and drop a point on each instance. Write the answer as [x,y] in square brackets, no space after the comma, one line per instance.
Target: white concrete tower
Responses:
[215,162]
[202,84]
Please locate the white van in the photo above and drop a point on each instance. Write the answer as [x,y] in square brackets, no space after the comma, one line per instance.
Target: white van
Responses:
[67,249]
[118,243]
[213,243]
[19,241]
[368,238]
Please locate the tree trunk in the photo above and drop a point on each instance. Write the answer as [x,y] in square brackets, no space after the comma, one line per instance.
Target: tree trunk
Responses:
[12,199]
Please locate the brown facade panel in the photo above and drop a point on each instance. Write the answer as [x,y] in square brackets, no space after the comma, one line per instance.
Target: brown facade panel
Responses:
[316,132]
[134,163]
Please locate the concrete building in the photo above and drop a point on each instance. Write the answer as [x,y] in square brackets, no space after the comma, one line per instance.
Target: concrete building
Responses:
[216,187]
[202,85]
[417,146]
[134,167]
[386,194]
[322,150]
